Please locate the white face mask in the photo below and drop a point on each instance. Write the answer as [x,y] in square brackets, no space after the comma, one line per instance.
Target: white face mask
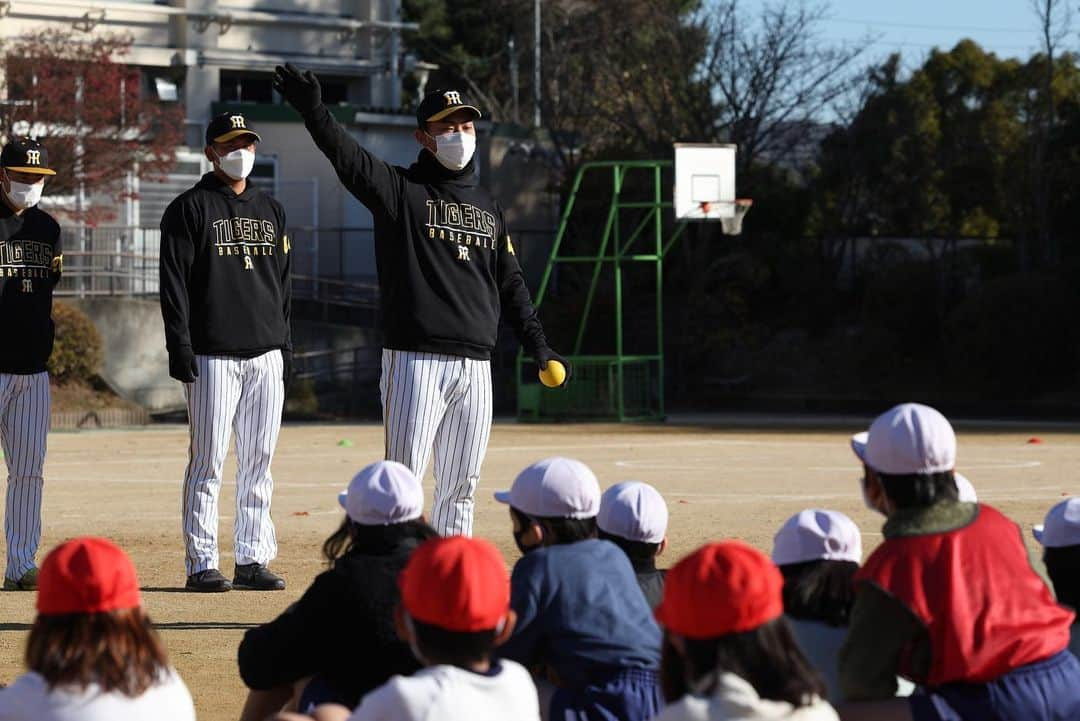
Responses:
[455,150]
[237,164]
[24,195]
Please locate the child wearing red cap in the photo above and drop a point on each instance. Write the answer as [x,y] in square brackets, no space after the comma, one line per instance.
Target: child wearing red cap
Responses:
[93,654]
[455,609]
[949,599]
[729,653]
[582,618]
[352,602]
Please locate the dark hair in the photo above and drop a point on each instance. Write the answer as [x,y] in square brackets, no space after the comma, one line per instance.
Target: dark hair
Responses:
[820,591]
[767,657]
[635,550]
[455,648]
[918,490]
[117,650]
[1063,568]
[353,537]
[559,531]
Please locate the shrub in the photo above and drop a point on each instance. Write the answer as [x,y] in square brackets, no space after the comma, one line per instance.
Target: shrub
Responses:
[1014,336]
[77,353]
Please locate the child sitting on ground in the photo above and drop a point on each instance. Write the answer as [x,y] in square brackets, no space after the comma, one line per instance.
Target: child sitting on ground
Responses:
[949,599]
[729,654]
[581,615]
[350,606]
[454,612]
[818,553]
[1060,536]
[634,517]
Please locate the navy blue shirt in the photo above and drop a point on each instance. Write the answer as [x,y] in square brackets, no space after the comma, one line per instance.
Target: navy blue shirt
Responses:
[580,613]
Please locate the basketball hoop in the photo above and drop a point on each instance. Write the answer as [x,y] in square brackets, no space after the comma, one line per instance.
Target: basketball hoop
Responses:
[733,225]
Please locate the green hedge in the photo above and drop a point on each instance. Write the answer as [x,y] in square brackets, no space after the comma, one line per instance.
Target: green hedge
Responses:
[77,353]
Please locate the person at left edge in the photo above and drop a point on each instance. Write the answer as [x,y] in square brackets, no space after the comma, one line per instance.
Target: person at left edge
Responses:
[31,261]
[225,300]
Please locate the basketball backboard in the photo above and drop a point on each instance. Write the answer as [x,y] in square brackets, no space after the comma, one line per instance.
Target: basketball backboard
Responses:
[704,181]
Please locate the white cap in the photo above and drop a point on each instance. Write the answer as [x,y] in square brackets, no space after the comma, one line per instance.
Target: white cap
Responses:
[909,438]
[635,511]
[965,491]
[817,535]
[1062,525]
[384,493]
[554,488]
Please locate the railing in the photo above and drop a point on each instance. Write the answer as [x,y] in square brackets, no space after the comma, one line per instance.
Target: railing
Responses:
[109,261]
[333,266]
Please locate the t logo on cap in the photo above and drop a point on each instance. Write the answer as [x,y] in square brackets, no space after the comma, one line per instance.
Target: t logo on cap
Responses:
[453,97]
[33,157]
[237,121]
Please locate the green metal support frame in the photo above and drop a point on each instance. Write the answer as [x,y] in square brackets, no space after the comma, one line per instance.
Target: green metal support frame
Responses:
[614,249]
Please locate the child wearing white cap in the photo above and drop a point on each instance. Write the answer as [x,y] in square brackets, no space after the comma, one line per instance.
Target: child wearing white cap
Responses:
[1059,535]
[818,553]
[949,599]
[341,633]
[634,517]
[581,616]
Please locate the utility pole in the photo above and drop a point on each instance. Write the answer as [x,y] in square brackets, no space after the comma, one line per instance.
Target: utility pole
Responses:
[536,63]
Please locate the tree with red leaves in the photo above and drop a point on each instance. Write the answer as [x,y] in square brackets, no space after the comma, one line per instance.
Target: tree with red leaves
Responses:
[73,92]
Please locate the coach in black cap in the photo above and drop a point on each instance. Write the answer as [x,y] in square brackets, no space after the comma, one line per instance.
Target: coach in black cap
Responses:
[447,273]
[226,300]
[30,266]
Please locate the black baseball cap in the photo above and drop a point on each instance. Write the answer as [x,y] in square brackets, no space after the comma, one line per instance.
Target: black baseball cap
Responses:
[437,104]
[26,155]
[228,126]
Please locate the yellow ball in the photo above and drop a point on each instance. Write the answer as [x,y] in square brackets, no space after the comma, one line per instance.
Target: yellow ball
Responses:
[555,374]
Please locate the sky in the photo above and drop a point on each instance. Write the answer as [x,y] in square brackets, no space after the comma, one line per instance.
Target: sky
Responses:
[912,27]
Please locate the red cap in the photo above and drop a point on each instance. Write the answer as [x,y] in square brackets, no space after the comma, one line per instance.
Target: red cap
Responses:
[456,583]
[87,575]
[721,588]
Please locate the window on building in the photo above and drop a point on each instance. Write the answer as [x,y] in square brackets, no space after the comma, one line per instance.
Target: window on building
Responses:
[246,87]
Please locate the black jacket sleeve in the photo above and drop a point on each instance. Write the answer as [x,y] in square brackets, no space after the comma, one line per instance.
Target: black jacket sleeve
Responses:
[293,645]
[517,306]
[57,265]
[286,281]
[176,256]
[374,182]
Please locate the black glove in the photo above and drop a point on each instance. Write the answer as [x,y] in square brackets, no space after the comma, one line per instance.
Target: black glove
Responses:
[182,364]
[545,354]
[286,367]
[299,88]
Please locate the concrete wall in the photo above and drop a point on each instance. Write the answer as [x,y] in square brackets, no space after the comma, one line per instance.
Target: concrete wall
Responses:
[136,365]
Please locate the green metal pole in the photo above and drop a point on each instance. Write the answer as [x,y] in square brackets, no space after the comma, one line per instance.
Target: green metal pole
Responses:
[659,233]
[620,388]
[612,215]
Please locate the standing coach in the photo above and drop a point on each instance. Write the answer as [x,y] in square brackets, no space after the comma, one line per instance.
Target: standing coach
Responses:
[447,272]
[225,299]
[30,265]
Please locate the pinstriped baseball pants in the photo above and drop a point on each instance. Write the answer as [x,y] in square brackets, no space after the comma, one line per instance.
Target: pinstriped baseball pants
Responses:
[24,428]
[442,403]
[242,396]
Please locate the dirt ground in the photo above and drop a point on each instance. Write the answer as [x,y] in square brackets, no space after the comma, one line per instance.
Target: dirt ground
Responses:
[719,482]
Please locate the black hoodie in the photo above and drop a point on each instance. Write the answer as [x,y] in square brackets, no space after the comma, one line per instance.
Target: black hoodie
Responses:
[446,264]
[30,261]
[225,267]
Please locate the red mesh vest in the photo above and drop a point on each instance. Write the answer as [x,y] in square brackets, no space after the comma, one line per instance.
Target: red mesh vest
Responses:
[986,610]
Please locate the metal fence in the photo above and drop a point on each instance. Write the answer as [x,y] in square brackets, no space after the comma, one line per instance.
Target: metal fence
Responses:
[332,265]
[109,261]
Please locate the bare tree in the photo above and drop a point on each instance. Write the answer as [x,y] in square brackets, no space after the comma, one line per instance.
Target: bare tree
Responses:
[773,75]
[1054,18]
